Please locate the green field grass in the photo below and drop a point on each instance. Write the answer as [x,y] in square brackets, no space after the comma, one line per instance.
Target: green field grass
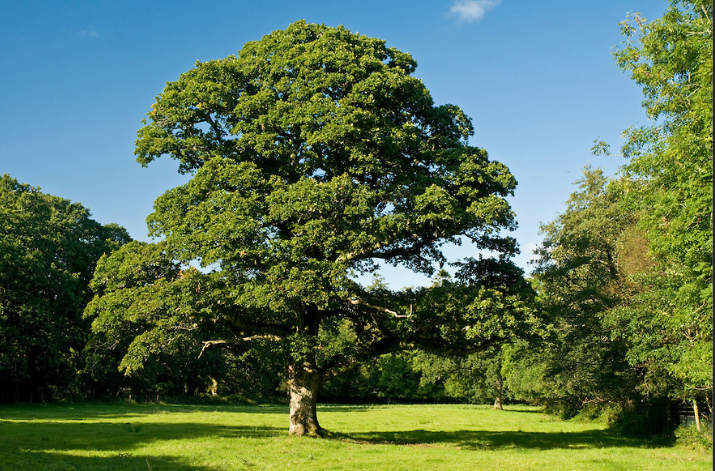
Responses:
[125,436]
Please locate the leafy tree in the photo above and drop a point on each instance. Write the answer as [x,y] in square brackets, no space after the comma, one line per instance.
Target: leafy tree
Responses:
[478,376]
[474,378]
[580,275]
[48,251]
[671,59]
[671,322]
[315,153]
[619,339]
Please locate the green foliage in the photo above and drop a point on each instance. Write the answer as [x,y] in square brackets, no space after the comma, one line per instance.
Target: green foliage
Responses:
[391,377]
[615,341]
[689,437]
[475,379]
[625,273]
[671,58]
[315,154]
[48,251]
[148,321]
[579,277]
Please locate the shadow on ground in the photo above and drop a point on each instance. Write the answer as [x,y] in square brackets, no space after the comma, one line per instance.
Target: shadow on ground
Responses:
[481,440]
[112,410]
[30,445]
[44,461]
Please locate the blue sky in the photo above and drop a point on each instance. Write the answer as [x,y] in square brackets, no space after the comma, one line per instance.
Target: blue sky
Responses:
[537,78]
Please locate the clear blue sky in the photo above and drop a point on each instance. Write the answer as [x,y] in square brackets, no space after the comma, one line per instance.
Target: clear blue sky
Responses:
[537,78]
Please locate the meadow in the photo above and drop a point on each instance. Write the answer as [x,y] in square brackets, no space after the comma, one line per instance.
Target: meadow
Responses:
[127,436]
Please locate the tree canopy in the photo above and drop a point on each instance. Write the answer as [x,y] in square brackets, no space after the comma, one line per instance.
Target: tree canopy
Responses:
[48,250]
[671,59]
[315,153]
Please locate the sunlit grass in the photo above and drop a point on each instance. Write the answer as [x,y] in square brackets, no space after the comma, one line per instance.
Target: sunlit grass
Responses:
[391,437]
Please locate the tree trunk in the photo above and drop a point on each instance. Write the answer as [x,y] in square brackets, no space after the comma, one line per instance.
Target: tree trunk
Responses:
[498,389]
[497,403]
[707,401]
[304,381]
[697,414]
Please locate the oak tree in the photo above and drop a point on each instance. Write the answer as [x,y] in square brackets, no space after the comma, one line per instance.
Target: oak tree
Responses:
[314,154]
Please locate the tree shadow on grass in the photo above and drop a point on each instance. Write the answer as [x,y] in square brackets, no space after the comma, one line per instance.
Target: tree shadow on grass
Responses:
[58,446]
[47,461]
[120,436]
[524,411]
[85,411]
[483,440]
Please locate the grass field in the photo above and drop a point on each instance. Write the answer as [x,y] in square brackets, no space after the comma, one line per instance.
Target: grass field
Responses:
[101,437]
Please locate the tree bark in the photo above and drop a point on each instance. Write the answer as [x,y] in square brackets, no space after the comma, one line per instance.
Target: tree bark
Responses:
[497,403]
[304,381]
[697,414]
[498,387]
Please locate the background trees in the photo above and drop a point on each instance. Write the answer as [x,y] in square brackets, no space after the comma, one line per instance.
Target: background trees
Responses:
[583,272]
[626,271]
[48,250]
[671,321]
[671,58]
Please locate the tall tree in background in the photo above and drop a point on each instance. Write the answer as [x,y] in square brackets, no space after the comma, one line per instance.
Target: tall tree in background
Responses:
[581,274]
[48,251]
[626,270]
[671,58]
[671,322]
[315,153]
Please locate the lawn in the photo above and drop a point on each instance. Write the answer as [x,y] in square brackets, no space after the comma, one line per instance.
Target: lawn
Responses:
[98,437]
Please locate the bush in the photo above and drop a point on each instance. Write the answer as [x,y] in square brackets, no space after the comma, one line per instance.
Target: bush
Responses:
[689,437]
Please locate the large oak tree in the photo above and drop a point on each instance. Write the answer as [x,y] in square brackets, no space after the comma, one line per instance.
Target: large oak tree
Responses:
[315,153]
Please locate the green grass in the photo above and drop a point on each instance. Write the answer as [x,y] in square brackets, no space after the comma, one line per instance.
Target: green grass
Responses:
[157,437]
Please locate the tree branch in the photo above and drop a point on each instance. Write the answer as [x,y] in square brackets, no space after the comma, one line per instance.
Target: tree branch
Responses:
[371,252]
[356,301]
[244,339]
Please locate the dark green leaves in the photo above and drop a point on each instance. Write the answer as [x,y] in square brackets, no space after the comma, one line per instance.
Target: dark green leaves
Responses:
[48,251]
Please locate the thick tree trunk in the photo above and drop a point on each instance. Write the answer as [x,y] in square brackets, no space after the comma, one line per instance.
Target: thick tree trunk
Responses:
[497,403]
[304,381]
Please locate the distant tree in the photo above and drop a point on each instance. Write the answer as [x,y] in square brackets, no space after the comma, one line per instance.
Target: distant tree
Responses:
[474,378]
[315,153]
[48,251]
[479,376]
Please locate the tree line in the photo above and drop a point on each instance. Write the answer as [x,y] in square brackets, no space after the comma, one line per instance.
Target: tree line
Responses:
[314,154]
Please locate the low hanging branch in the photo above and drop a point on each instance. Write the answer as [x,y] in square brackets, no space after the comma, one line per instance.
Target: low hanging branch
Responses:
[356,301]
[244,339]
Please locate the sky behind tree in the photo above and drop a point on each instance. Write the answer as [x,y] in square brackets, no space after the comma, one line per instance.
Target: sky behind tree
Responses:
[537,78]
